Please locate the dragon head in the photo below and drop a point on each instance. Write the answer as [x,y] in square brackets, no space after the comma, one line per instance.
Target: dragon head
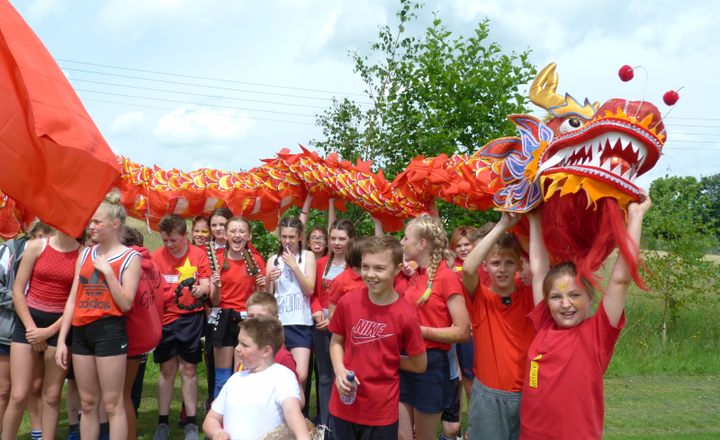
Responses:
[582,162]
[601,150]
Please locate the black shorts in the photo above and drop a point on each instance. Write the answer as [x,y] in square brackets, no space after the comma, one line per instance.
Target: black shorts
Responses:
[452,413]
[42,320]
[298,336]
[102,338]
[343,430]
[230,338]
[71,371]
[4,349]
[428,392]
[181,338]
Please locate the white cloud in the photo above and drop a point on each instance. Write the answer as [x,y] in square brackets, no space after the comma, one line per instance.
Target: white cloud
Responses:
[129,125]
[41,8]
[214,130]
[131,19]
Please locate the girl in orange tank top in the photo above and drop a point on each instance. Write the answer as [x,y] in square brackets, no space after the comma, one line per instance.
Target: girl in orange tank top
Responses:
[106,280]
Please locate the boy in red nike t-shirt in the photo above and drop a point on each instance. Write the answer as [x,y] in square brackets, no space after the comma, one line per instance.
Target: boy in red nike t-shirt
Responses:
[375,334]
[183,322]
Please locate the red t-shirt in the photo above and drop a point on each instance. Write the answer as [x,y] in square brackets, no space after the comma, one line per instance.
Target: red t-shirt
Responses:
[374,336]
[144,320]
[569,376]
[193,264]
[401,283]
[434,312]
[344,283]
[286,359]
[94,299]
[237,284]
[502,335]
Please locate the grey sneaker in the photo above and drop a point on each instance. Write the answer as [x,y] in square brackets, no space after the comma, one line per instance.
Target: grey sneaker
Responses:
[162,432]
[191,432]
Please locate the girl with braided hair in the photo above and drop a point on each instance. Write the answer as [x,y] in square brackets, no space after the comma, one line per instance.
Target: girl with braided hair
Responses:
[291,275]
[237,284]
[436,292]
[342,232]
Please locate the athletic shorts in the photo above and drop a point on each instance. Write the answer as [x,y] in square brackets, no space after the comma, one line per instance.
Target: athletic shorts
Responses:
[466,356]
[42,320]
[181,338]
[230,338]
[493,413]
[102,338]
[429,392]
[4,349]
[71,371]
[298,336]
[343,430]
[452,413]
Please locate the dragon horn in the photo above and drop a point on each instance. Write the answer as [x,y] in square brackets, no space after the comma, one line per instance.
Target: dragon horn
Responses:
[542,91]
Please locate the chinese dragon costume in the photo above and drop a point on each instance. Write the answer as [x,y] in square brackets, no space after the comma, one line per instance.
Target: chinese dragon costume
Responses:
[580,163]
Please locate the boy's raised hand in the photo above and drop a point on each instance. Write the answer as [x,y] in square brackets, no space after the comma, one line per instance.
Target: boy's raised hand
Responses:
[509,219]
[222,435]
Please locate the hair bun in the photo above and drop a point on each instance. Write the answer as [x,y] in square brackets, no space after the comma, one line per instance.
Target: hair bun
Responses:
[113,197]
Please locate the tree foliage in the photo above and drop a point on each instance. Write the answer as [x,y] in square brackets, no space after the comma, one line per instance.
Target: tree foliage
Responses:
[678,236]
[431,94]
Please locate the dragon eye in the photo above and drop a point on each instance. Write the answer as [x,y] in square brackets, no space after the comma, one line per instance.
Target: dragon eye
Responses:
[569,125]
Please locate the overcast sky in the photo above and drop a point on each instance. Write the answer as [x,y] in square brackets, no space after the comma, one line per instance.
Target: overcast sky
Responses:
[279,62]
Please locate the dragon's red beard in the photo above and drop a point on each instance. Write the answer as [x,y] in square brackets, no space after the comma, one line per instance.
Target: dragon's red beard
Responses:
[574,232]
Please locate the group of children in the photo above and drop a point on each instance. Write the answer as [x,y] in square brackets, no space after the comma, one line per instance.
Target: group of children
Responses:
[417,321]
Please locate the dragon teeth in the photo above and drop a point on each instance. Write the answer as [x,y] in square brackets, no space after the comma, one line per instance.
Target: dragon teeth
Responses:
[606,165]
[617,170]
[628,174]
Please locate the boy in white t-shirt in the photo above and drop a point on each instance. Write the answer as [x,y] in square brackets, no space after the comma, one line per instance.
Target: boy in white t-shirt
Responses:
[263,395]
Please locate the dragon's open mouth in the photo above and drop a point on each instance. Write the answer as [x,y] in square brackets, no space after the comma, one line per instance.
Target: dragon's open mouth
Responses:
[612,149]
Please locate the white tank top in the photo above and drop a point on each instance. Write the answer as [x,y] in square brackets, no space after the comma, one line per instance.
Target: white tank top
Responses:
[293,305]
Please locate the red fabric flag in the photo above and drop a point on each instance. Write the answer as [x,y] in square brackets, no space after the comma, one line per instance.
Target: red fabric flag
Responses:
[54,160]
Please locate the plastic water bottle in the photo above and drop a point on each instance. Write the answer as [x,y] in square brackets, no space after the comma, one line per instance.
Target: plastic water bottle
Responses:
[348,400]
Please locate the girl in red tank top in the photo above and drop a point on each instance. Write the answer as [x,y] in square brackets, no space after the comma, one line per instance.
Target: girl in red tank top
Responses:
[107,277]
[48,266]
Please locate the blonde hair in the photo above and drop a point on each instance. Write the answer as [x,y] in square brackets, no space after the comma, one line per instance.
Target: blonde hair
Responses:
[431,230]
[112,206]
[264,300]
[37,227]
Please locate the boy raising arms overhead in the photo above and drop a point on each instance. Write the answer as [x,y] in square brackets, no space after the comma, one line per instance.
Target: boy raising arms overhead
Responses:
[370,329]
[502,334]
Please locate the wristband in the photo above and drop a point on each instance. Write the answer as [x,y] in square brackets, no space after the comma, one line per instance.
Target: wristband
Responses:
[303,212]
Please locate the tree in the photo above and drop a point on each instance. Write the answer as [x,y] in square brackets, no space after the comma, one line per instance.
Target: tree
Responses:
[431,94]
[711,188]
[679,237]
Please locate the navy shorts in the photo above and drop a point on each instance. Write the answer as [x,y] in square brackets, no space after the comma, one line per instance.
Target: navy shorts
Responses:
[466,356]
[181,338]
[429,392]
[4,349]
[42,320]
[298,336]
[102,338]
[452,413]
